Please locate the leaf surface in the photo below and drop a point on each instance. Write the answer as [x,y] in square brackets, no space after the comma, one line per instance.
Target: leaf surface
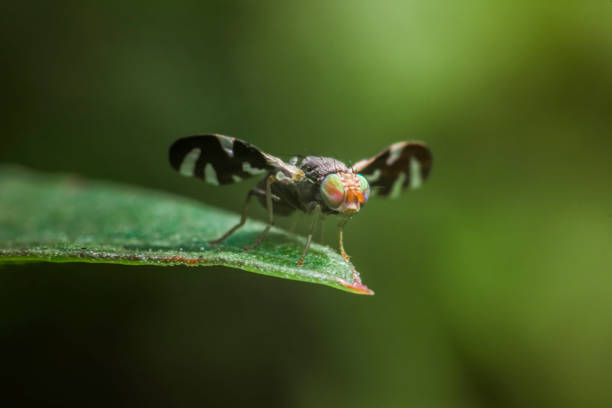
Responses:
[64,218]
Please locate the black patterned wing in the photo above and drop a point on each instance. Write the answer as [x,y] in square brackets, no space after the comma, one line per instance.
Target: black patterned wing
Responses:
[219,159]
[398,167]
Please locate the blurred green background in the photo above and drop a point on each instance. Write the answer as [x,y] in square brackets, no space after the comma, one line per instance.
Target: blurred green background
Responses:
[492,282]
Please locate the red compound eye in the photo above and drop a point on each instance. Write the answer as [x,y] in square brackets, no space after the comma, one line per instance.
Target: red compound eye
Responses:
[333,191]
[364,188]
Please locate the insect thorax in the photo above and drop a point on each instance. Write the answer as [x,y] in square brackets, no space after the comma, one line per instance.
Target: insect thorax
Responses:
[316,167]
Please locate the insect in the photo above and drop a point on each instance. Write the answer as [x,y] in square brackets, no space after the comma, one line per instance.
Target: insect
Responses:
[314,185]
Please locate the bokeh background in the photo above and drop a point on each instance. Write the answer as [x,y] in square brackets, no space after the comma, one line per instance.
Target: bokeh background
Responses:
[493,282]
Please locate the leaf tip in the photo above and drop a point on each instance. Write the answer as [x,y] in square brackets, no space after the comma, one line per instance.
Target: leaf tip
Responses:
[356,286]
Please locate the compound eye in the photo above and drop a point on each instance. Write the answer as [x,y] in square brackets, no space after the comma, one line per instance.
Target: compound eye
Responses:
[364,187]
[333,191]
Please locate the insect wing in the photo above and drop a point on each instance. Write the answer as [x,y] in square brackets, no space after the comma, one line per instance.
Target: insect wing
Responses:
[217,159]
[398,167]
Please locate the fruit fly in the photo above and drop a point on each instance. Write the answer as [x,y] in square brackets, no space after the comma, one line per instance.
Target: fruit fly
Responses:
[314,185]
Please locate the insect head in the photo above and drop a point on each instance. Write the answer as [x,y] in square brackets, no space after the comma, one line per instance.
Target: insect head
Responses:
[345,192]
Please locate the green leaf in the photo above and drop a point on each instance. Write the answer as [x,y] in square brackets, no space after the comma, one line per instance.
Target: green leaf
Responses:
[63,218]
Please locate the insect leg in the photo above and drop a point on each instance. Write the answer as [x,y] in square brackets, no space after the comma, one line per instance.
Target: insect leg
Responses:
[263,235]
[243,218]
[340,226]
[316,214]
